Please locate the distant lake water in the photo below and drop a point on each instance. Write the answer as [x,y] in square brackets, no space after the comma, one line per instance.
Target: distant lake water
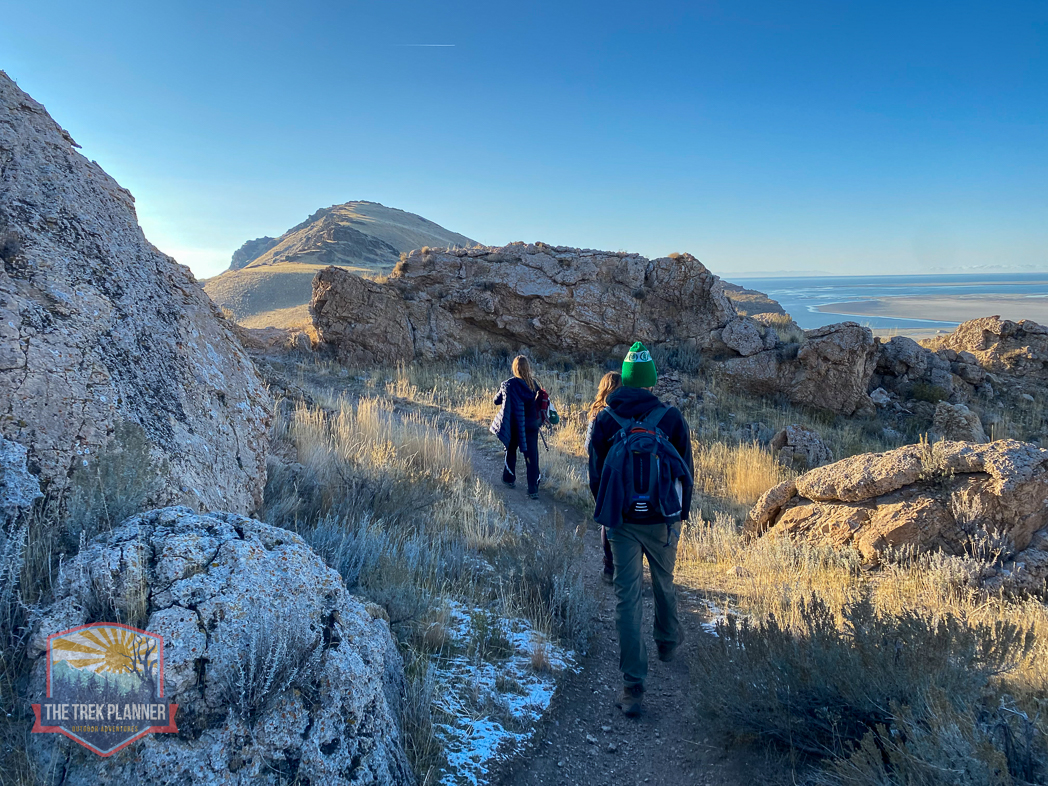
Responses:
[814,301]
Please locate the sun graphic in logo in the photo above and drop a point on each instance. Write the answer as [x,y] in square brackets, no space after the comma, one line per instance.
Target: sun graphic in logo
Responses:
[108,649]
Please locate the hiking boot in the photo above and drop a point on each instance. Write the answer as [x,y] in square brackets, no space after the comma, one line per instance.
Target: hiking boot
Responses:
[607,576]
[533,495]
[511,483]
[668,652]
[631,700]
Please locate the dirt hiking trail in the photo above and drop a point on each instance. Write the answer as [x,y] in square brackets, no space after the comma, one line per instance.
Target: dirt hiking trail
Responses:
[584,738]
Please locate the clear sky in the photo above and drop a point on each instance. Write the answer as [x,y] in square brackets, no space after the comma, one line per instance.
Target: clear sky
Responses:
[847,137]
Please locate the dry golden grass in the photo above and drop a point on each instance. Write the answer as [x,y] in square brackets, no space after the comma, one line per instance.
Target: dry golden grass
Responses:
[735,475]
[775,578]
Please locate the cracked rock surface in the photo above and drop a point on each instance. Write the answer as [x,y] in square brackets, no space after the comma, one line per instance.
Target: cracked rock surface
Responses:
[439,304]
[214,585]
[955,497]
[98,327]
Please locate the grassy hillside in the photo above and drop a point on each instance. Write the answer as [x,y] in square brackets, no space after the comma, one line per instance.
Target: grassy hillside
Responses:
[272,289]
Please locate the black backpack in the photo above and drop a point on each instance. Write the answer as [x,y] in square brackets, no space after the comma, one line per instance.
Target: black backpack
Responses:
[642,473]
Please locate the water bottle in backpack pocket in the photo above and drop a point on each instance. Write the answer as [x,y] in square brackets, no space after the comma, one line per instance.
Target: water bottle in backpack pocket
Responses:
[642,475]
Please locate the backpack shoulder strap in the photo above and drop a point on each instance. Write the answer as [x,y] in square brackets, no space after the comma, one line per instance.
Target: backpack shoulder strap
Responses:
[651,420]
[623,422]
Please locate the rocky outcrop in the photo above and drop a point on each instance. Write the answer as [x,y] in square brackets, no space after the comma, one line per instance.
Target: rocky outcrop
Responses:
[1000,346]
[440,304]
[957,497]
[800,447]
[220,588]
[251,250]
[958,423]
[19,488]
[980,361]
[830,370]
[750,302]
[903,366]
[97,328]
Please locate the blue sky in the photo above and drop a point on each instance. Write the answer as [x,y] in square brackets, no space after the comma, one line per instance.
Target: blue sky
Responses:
[847,137]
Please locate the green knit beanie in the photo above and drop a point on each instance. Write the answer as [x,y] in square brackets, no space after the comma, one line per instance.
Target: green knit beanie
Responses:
[638,369]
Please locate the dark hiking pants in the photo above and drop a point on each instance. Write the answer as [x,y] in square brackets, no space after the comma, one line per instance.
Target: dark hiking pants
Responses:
[609,561]
[630,543]
[531,459]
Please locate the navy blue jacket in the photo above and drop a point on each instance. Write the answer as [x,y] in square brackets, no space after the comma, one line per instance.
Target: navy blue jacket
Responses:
[517,412]
[636,403]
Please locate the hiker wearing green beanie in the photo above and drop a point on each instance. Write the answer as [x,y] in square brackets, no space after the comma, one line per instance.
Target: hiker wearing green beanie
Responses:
[640,524]
[638,369]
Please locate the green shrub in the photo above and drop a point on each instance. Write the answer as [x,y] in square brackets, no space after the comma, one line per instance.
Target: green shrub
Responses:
[925,391]
[822,686]
[108,488]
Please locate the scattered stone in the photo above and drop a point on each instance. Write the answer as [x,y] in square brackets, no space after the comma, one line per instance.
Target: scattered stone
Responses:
[612,747]
[881,397]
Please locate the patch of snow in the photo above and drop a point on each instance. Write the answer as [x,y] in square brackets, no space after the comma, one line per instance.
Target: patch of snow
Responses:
[491,708]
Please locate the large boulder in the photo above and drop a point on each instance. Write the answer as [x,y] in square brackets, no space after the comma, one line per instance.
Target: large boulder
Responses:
[220,588]
[958,423]
[800,447]
[99,329]
[440,304]
[744,335]
[957,497]
[831,370]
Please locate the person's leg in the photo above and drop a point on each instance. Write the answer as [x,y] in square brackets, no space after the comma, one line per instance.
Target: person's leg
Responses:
[509,471]
[531,459]
[629,575]
[609,562]
[660,547]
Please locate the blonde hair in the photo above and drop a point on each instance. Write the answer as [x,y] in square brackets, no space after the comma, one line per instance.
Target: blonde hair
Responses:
[608,383]
[522,371]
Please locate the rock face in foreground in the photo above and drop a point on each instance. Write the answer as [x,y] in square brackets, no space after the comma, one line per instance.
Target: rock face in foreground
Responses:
[957,497]
[97,328]
[830,370]
[439,304]
[218,587]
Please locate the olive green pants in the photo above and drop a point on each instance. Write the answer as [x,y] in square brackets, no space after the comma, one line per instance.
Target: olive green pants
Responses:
[630,543]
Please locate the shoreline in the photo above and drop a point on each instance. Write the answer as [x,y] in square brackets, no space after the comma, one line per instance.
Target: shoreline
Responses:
[954,309]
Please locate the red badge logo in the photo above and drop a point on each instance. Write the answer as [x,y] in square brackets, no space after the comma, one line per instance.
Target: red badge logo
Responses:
[105,687]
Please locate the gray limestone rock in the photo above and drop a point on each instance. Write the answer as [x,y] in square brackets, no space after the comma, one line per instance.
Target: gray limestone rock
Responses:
[215,586]
[98,328]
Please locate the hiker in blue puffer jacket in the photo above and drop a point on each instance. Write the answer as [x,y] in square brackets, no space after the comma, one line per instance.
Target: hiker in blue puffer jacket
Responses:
[517,422]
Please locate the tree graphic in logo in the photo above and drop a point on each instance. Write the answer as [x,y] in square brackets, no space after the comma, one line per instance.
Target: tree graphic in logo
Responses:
[105,687]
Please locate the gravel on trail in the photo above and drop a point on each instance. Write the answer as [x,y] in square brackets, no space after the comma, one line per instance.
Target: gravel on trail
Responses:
[584,738]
